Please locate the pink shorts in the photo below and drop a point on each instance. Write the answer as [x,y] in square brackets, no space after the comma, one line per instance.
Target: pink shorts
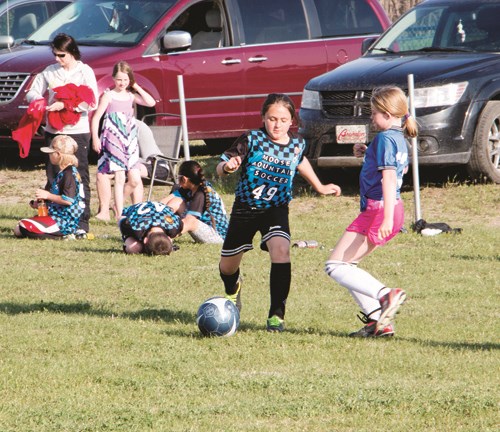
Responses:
[369,221]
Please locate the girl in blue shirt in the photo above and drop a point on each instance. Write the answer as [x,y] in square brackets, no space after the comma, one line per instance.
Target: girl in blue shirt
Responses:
[382,213]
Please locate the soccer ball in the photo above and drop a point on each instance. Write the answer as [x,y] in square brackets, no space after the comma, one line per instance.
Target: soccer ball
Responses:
[218,316]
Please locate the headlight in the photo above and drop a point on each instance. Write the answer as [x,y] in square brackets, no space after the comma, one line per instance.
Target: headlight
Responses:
[445,95]
[310,100]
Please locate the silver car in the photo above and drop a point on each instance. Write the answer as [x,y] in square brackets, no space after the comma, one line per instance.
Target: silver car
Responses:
[20,18]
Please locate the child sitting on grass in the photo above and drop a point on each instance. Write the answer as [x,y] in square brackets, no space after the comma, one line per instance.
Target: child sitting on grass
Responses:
[65,200]
[202,209]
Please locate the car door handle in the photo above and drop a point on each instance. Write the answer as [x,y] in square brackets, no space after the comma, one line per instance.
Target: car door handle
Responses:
[257,59]
[231,61]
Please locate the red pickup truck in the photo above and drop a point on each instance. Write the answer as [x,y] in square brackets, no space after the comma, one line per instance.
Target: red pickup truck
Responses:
[231,53]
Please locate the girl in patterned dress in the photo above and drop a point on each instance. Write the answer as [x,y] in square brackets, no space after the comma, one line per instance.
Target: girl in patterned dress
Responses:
[269,158]
[117,146]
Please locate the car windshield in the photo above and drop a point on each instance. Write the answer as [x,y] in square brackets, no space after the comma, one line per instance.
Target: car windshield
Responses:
[105,23]
[453,27]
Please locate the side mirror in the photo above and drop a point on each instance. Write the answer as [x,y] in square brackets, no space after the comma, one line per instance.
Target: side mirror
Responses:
[367,43]
[6,42]
[176,40]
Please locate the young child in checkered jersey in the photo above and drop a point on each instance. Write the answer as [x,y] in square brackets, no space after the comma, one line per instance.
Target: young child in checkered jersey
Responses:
[65,199]
[268,159]
[149,227]
[382,213]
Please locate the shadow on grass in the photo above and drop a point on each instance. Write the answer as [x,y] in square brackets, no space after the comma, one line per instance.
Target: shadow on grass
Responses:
[86,308]
[14,216]
[197,334]
[7,232]
[166,315]
[477,257]
[188,318]
[71,308]
[118,249]
[471,346]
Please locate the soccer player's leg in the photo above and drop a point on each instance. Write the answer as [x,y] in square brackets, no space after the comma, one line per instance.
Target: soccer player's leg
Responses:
[275,231]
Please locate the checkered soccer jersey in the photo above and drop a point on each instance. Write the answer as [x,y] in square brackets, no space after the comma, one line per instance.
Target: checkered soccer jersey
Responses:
[196,206]
[69,186]
[267,174]
[139,218]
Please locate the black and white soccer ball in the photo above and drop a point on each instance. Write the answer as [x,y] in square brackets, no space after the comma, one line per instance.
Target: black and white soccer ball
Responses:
[218,316]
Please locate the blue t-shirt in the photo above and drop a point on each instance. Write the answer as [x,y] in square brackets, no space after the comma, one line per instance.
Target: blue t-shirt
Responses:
[197,206]
[139,218]
[68,185]
[267,168]
[388,150]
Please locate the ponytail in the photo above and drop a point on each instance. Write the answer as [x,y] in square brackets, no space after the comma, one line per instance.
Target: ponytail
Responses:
[208,201]
[410,125]
[393,100]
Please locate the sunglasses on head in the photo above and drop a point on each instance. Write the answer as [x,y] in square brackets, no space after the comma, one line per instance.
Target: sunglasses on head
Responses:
[59,55]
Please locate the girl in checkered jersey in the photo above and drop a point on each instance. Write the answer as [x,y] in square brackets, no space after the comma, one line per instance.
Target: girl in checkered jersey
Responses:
[201,207]
[268,159]
[382,213]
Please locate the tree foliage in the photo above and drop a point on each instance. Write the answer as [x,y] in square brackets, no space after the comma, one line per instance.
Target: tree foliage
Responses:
[395,8]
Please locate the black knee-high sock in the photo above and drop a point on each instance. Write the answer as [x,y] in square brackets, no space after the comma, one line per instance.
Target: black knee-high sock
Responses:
[280,279]
[230,281]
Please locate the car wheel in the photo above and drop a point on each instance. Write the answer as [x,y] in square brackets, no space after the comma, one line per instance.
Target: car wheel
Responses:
[485,153]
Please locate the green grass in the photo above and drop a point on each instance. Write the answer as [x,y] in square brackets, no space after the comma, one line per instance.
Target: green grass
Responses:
[94,340]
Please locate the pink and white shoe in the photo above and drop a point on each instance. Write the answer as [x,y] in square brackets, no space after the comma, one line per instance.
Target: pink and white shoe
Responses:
[390,304]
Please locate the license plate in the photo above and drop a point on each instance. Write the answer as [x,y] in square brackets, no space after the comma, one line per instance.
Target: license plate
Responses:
[351,134]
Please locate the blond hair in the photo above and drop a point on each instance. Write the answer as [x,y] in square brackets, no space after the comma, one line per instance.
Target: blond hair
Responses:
[67,147]
[392,100]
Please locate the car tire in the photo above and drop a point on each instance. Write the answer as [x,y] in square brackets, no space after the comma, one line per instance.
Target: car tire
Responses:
[485,153]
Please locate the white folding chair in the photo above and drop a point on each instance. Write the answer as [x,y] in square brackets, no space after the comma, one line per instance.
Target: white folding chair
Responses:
[167,132]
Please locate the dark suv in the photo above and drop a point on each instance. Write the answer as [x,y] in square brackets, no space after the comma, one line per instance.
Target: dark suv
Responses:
[452,47]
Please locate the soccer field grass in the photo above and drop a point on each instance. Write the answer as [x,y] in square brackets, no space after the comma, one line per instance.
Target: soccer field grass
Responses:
[94,340]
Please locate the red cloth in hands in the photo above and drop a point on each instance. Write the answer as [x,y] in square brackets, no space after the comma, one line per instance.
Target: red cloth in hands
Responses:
[28,125]
[72,96]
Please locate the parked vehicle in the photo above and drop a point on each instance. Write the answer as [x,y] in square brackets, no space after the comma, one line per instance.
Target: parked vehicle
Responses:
[20,18]
[231,53]
[452,47]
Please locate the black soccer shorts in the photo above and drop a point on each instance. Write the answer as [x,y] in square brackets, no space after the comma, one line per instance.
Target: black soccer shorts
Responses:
[245,222]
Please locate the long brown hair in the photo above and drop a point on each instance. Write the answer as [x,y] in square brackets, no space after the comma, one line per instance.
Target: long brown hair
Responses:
[193,171]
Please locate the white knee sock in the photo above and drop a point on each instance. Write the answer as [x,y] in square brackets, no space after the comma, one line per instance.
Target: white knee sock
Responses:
[355,279]
[369,306]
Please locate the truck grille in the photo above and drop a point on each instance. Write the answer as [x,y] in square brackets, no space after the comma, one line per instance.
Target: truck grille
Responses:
[10,85]
[354,103]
